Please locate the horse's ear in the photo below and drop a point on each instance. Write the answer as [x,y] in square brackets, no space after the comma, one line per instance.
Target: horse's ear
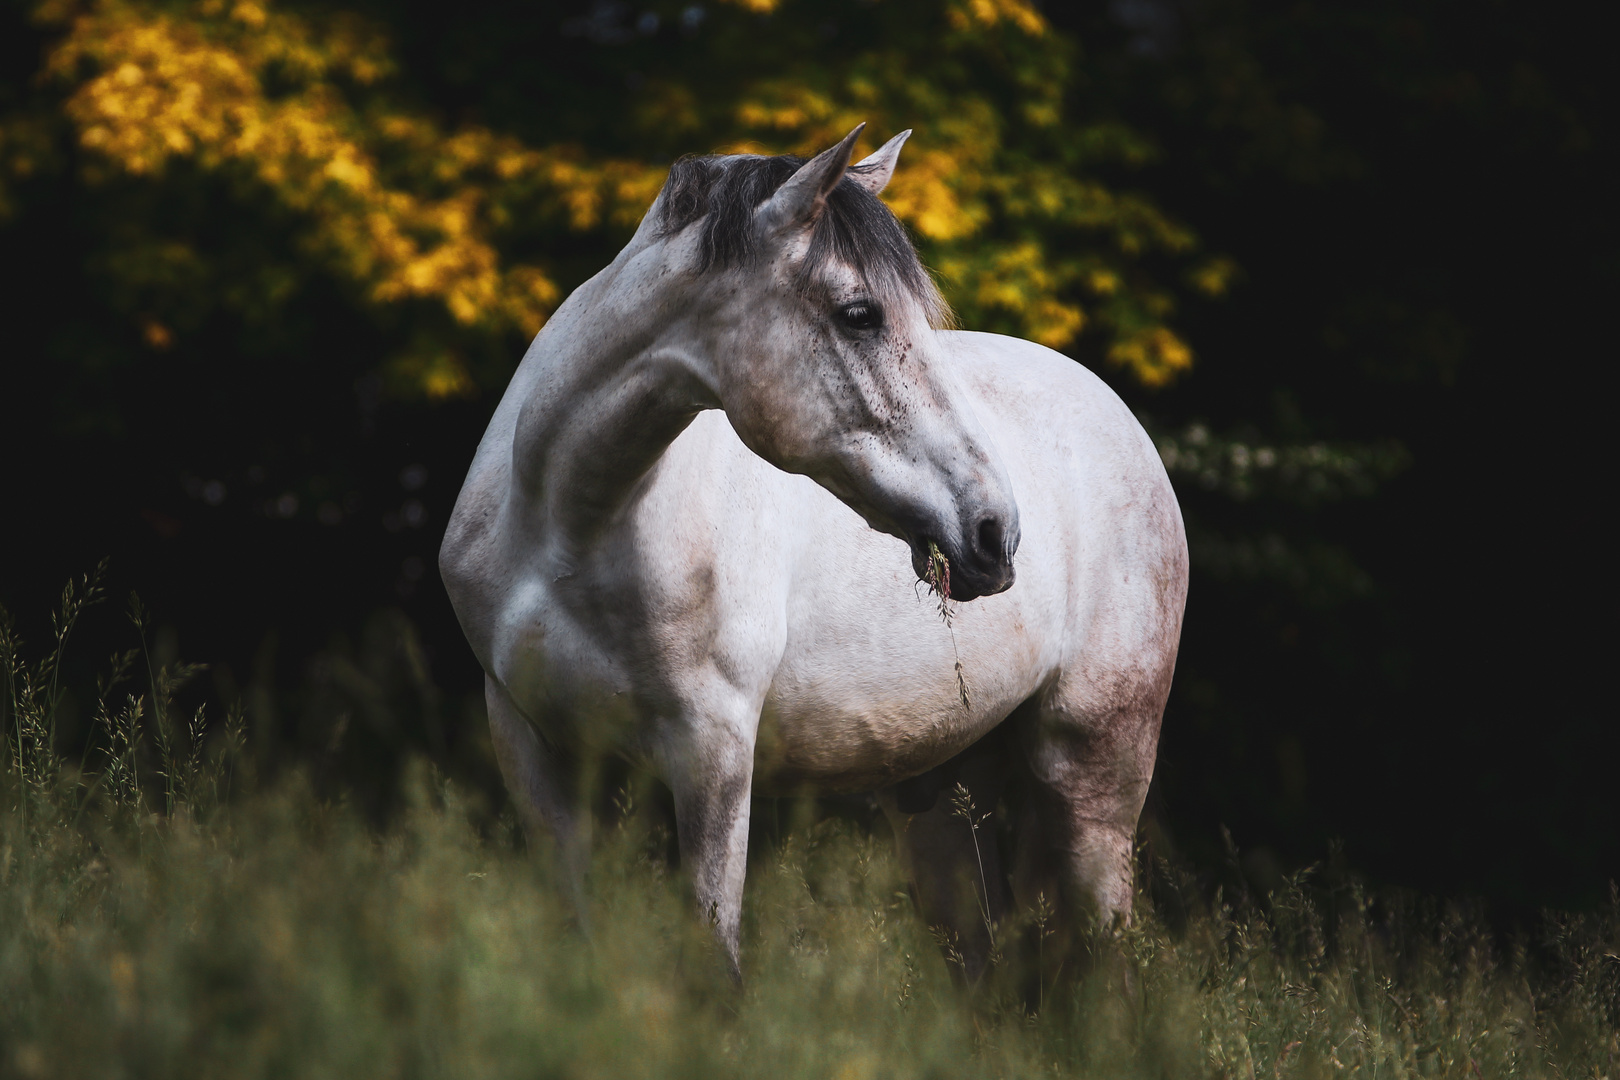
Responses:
[799,201]
[873,173]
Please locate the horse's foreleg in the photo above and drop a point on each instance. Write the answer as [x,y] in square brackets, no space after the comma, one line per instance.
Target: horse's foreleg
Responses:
[543,788]
[710,769]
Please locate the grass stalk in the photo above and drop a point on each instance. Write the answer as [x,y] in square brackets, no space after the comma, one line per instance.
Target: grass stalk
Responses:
[938,579]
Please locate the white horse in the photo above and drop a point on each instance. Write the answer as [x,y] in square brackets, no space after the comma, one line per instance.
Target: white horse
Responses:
[684,537]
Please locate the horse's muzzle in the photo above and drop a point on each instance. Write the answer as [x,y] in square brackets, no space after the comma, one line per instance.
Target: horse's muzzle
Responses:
[979,564]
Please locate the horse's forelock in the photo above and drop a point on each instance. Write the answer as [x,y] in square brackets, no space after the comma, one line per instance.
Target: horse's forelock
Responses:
[856,227]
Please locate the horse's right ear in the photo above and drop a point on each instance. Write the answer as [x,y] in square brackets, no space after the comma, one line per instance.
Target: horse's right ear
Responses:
[873,173]
[799,201]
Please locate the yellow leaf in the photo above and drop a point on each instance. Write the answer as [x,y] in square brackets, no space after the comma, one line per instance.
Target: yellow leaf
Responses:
[163,86]
[1154,356]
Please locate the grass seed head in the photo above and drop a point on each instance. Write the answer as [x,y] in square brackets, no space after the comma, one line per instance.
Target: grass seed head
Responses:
[938,576]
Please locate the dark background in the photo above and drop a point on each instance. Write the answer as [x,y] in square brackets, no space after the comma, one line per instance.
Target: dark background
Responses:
[1418,198]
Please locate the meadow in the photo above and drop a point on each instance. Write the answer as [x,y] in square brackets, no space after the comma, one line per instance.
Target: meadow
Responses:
[167,907]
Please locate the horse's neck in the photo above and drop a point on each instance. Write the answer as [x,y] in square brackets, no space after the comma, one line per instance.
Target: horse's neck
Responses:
[607,398]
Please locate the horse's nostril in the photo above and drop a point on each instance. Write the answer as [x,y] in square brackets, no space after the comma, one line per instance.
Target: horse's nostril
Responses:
[990,539]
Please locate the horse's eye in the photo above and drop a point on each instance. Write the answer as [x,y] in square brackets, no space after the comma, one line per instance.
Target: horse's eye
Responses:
[863,315]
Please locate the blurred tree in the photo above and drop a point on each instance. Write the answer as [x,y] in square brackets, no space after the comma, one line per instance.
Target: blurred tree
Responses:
[291,114]
[299,116]
[265,268]
[269,265]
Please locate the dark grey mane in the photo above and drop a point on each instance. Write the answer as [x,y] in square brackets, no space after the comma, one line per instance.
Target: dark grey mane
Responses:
[856,228]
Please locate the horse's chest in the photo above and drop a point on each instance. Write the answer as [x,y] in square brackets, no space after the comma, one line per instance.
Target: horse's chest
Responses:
[617,641]
[570,664]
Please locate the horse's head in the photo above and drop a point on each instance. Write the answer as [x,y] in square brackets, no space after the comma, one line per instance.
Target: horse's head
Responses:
[819,325]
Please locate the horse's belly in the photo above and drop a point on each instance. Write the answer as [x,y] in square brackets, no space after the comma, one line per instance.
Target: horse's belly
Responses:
[874,686]
[808,743]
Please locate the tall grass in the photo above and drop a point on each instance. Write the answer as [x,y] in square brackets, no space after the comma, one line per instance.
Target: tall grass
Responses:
[163,915]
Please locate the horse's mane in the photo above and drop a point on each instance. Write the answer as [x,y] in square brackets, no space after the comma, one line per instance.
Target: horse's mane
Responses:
[856,228]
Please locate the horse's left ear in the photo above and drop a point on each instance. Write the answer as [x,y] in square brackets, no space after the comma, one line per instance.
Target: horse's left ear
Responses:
[874,172]
[799,201]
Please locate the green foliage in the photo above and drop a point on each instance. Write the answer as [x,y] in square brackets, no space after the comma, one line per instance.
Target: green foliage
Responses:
[1244,468]
[270,932]
[1305,474]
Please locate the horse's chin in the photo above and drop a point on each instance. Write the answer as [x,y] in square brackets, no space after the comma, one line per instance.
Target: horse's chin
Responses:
[969,588]
[963,594]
